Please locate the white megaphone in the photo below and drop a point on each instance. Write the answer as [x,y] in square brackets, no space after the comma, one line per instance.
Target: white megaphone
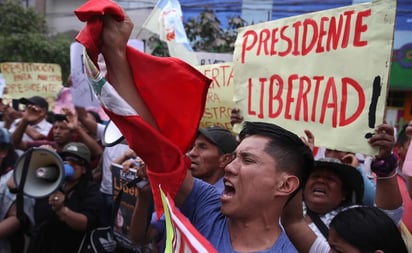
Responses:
[112,135]
[45,172]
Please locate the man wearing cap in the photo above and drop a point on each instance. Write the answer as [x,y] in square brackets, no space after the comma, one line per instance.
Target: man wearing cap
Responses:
[40,127]
[211,152]
[67,214]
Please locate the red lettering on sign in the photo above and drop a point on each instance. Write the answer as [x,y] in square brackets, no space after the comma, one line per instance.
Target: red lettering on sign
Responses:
[248,46]
[249,100]
[289,97]
[360,27]
[275,80]
[274,41]
[307,36]
[264,36]
[302,99]
[288,41]
[309,43]
[330,92]
[322,33]
[221,76]
[361,101]
[279,101]
[318,80]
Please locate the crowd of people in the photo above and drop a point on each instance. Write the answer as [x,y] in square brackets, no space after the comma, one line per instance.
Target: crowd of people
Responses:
[263,190]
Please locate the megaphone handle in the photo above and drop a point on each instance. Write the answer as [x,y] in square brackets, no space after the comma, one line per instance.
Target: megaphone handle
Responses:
[20,194]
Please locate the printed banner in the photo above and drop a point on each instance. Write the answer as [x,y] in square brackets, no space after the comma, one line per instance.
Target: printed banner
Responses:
[219,101]
[325,71]
[123,219]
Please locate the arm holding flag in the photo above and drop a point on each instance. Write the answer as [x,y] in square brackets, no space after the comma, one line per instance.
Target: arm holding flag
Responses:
[144,96]
[115,36]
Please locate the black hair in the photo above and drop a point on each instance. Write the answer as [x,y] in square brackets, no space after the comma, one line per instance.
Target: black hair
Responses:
[288,150]
[10,159]
[96,116]
[50,117]
[368,229]
[403,138]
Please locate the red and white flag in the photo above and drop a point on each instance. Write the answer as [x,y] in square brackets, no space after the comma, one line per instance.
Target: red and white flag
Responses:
[173,91]
[181,235]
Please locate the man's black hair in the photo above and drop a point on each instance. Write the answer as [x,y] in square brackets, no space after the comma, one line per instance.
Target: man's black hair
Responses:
[289,151]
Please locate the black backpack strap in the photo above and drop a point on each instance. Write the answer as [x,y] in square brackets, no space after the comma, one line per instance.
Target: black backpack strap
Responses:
[319,223]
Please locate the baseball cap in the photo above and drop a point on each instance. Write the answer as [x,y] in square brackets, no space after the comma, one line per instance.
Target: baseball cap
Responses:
[221,137]
[76,149]
[351,178]
[35,100]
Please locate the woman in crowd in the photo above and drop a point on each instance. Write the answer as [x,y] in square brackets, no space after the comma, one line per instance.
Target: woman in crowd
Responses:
[364,229]
[326,195]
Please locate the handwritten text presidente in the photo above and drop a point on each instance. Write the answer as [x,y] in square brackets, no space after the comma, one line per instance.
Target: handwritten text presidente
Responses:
[303,37]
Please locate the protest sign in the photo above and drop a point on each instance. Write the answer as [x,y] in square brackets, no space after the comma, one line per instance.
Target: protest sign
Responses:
[219,100]
[25,79]
[325,71]
[121,226]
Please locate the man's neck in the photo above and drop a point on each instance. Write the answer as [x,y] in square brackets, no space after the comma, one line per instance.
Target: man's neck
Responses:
[255,235]
[213,178]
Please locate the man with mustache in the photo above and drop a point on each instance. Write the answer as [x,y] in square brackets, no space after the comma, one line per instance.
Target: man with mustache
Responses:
[268,168]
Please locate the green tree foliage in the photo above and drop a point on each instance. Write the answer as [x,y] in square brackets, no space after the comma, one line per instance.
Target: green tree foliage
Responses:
[205,34]
[24,38]
[158,47]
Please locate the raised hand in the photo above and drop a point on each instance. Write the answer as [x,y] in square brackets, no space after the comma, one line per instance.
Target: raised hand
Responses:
[32,113]
[115,34]
[384,139]
[309,140]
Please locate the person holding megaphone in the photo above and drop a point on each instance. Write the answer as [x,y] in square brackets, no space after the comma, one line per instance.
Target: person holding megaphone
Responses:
[75,208]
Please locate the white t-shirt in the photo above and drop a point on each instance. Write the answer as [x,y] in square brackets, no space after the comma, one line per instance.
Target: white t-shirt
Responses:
[42,127]
[110,154]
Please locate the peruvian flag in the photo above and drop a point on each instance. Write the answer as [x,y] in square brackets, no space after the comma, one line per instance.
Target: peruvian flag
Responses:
[181,236]
[173,91]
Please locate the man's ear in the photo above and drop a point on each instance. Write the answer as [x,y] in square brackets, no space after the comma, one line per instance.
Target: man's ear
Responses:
[225,159]
[287,184]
